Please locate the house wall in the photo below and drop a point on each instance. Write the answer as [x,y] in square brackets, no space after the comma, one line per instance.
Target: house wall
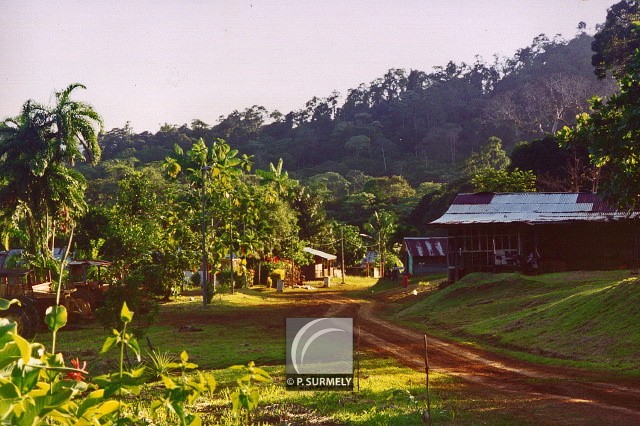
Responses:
[558,247]
[319,269]
[426,264]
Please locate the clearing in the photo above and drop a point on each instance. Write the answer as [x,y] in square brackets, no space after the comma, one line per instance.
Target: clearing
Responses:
[476,378]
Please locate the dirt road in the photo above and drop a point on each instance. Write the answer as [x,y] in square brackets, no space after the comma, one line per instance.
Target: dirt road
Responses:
[532,393]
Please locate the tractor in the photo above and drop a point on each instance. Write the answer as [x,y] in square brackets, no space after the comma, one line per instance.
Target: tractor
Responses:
[85,277]
[35,299]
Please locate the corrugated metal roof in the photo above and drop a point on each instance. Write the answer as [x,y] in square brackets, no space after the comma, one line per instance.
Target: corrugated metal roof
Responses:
[529,207]
[320,253]
[89,262]
[426,246]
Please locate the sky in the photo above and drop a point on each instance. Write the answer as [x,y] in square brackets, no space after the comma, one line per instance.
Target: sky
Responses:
[156,62]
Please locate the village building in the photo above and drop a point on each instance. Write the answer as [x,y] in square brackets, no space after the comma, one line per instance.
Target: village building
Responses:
[425,255]
[538,232]
[322,265]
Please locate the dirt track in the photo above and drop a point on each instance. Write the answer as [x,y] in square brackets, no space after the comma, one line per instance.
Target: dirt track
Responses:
[573,396]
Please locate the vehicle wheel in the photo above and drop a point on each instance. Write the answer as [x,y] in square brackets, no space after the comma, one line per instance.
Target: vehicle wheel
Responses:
[86,295]
[80,309]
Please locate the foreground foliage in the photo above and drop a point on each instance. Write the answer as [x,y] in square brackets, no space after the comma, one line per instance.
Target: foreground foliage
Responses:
[38,387]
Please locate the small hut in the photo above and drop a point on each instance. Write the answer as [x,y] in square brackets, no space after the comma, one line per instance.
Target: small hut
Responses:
[425,255]
[322,265]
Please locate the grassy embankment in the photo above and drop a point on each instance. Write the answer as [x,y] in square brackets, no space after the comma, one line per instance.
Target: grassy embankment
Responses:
[587,319]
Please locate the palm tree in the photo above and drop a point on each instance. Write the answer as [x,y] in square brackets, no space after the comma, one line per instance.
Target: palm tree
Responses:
[277,180]
[77,126]
[382,225]
[37,147]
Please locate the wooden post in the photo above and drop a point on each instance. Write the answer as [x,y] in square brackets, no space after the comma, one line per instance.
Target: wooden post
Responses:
[426,369]
[358,360]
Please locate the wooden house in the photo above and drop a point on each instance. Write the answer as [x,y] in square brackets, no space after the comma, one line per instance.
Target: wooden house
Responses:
[538,232]
[322,265]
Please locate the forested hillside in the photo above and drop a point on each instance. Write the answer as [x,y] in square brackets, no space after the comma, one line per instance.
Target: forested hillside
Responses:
[410,129]
[407,123]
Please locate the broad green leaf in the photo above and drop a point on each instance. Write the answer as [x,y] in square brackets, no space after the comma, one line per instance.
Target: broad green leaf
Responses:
[25,377]
[138,372]
[6,407]
[74,385]
[8,390]
[184,356]
[194,420]
[168,383]
[211,382]
[253,399]
[27,413]
[55,317]
[126,315]
[24,346]
[99,411]
[91,400]
[52,361]
[5,304]
[108,343]
[9,354]
[133,344]
[155,405]
[177,408]
[6,327]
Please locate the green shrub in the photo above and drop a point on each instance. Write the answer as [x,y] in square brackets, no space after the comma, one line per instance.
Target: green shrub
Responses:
[131,292]
[391,260]
[277,274]
[195,279]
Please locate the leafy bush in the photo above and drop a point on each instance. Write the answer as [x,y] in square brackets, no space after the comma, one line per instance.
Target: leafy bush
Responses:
[224,277]
[391,260]
[277,274]
[246,397]
[195,280]
[39,388]
[131,293]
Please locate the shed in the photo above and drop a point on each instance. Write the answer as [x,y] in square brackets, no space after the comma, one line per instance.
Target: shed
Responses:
[322,265]
[538,231]
[426,254]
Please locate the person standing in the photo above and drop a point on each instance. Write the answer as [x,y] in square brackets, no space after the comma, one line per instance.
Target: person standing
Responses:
[405,279]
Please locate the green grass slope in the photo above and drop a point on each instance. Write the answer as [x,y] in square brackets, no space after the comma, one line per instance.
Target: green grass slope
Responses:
[579,318]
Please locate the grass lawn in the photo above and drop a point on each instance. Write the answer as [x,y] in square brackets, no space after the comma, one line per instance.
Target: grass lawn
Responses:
[249,326]
[587,319]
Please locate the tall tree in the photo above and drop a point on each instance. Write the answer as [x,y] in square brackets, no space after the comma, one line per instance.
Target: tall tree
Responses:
[37,149]
[617,40]
[381,227]
[612,133]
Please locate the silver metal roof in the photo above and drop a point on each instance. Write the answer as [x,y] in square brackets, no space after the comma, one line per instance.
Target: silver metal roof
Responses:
[319,253]
[529,207]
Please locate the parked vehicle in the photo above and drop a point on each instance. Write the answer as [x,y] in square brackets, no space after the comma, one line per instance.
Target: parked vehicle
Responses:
[35,298]
[88,287]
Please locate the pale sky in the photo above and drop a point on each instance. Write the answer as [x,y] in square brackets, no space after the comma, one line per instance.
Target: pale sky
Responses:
[155,62]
